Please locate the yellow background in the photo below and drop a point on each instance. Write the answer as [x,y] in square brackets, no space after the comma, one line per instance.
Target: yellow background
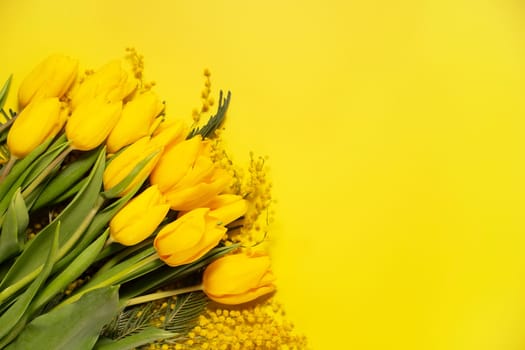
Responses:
[396,137]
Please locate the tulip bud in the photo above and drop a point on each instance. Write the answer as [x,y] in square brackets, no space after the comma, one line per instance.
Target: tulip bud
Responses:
[40,120]
[226,207]
[238,278]
[187,177]
[188,238]
[139,218]
[51,78]
[137,117]
[111,81]
[91,122]
[123,164]
[170,132]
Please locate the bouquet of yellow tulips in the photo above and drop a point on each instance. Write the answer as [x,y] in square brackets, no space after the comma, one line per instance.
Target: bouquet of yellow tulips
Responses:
[136,207]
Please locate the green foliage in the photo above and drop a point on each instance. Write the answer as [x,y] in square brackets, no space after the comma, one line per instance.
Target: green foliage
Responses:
[74,326]
[215,121]
[13,229]
[179,315]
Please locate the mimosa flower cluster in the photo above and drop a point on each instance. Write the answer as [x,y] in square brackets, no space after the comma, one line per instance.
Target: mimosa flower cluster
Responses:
[141,203]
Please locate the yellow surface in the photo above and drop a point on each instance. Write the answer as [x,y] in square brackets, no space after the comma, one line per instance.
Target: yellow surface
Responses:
[396,135]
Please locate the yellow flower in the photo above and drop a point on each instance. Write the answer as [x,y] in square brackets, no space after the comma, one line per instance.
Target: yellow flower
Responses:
[238,278]
[187,177]
[226,207]
[188,238]
[91,122]
[137,117]
[40,120]
[139,217]
[170,132]
[122,165]
[110,81]
[51,78]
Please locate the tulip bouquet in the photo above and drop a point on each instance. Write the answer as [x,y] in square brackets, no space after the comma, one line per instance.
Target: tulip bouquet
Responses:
[117,223]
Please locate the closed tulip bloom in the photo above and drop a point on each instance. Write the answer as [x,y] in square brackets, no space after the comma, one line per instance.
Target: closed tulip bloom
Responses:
[40,120]
[137,117]
[91,122]
[189,237]
[226,207]
[123,163]
[170,132]
[139,218]
[239,278]
[110,81]
[187,177]
[51,78]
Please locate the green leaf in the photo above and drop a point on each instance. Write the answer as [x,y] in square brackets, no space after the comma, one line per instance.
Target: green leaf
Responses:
[66,178]
[18,174]
[147,336]
[215,121]
[14,314]
[70,273]
[97,225]
[74,219]
[75,326]
[45,160]
[181,317]
[14,228]
[5,90]
[166,274]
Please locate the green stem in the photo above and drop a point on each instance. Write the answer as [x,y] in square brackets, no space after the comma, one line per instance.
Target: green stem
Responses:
[38,180]
[161,295]
[114,279]
[7,168]
[8,122]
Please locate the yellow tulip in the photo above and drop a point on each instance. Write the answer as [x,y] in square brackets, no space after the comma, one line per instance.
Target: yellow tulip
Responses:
[170,132]
[187,177]
[51,78]
[238,278]
[226,207]
[91,122]
[139,218]
[111,81]
[137,117]
[40,120]
[123,163]
[188,238]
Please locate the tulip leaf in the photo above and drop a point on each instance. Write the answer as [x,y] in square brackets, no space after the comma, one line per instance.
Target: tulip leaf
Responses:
[97,225]
[16,311]
[73,222]
[73,271]
[66,178]
[146,336]
[125,270]
[18,174]
[74,326]
[166,274]
[215,121]
[44,161]
[5,90]
[13,228]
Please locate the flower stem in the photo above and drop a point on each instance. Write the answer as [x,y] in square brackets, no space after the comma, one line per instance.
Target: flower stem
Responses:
[114,279]
[161,295]
[7,168]
[38,180]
